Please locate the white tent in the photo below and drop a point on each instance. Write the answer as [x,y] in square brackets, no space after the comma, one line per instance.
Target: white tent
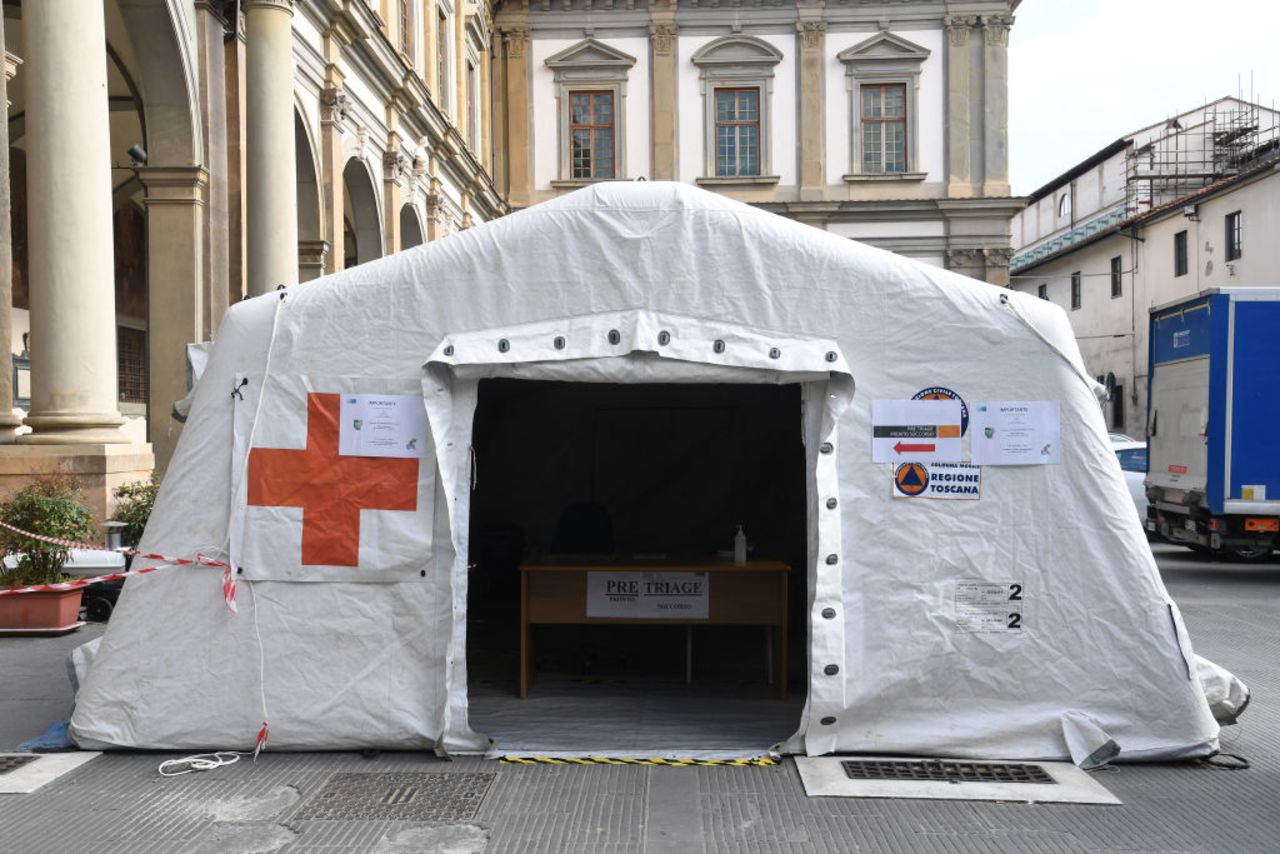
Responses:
[352,610]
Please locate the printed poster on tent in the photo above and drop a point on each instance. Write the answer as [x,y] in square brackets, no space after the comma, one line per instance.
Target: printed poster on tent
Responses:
[334,482]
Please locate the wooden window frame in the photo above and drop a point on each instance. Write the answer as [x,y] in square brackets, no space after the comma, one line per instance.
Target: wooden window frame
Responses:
[406,30]
[737,123]
[1077,291]
[882,121]
[1234,238]
[1180,265]
[592,127]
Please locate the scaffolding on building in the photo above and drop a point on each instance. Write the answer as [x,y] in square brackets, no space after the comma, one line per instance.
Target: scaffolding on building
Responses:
[1223,139]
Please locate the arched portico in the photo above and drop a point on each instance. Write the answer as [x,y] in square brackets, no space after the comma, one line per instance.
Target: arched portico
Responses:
[410,227]
[312,244]
[363,229]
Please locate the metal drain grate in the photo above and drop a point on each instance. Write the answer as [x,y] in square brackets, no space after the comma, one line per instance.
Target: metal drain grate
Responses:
[447,798]
[944,772]
[13,762]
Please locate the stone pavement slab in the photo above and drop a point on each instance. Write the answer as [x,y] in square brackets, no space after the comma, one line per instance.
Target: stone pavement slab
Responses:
[118,803]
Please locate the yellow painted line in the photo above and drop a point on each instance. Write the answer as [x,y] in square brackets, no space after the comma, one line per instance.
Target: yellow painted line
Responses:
[762,761]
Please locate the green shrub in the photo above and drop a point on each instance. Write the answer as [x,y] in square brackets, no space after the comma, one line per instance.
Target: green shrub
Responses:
[134,508]
[52,506]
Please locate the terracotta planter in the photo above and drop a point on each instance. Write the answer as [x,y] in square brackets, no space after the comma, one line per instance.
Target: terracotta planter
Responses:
[52,610]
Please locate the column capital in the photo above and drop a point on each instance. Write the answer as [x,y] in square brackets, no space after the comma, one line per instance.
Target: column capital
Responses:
[663,37]
[173,184]
[811,33]
[996,28]
[997,256]
[516,40]
[958,27]
[396,166]
[333,107]
[277,5]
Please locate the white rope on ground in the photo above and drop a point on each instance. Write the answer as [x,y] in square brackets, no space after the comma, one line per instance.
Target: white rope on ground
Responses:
[198,762]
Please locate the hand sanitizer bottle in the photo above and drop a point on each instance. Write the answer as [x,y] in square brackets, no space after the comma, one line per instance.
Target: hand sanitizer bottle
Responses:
[739,547]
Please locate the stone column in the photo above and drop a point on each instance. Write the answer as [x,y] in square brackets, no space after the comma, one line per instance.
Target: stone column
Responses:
[211,31]
[995,76]
[519,150]
[396,172]
[664,92]
[333,124]
[959,154]
[272,191]
[175,305]
[73,328]
[812,36]
[486,111]
[10,420]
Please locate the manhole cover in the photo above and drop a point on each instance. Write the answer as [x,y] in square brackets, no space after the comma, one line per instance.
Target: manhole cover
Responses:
[14,762]
[945,772]
[447,798]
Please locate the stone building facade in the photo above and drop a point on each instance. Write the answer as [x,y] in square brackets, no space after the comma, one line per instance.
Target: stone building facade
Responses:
[1185,204]
[169,157]
[880,121]
[166,158]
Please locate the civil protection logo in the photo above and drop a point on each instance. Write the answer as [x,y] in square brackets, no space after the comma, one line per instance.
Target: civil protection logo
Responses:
[911,479]
[937,392]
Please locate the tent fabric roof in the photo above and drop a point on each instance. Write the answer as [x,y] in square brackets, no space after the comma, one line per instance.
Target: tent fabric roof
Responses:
[347,665]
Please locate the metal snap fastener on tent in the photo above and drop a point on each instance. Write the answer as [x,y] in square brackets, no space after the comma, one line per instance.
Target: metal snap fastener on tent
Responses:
[831,504]
[775,353]
[448,350]
[614,336]
[831,560]
[831,355]
[826,448]
[503,345]
[828,613]
[831,669]
[664,338]
[558,343]
[827,721]
[718,346]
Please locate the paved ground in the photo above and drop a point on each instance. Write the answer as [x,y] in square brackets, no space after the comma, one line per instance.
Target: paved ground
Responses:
[117,803]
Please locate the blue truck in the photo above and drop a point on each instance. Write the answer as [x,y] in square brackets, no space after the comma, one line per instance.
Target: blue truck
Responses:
[1213,422]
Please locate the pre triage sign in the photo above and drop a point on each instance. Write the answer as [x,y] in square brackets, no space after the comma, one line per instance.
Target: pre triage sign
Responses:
[382,425]
[648,595]
[917,430]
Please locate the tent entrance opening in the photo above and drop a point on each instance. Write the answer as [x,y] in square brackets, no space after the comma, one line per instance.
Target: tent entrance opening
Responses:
[610,492]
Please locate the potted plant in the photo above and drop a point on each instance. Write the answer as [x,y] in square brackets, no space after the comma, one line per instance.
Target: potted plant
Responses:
[53,507]
[133,507]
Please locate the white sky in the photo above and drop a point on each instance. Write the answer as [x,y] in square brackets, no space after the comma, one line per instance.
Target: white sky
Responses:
[1082,73]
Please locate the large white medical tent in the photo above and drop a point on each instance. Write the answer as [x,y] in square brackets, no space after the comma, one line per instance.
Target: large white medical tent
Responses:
[966,571]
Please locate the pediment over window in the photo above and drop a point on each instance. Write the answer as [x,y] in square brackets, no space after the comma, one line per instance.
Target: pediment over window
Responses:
[590,54]
[882,50]
[737,50]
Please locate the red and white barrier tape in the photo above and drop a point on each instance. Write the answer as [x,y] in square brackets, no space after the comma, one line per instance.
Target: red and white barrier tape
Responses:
[228,577]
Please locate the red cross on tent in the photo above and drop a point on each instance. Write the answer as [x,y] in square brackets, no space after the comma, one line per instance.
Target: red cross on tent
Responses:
[331,489]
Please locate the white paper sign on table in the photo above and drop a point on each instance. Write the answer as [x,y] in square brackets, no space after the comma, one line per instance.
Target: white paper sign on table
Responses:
[382,425]
[1017,433]
[915,430]
[648,595]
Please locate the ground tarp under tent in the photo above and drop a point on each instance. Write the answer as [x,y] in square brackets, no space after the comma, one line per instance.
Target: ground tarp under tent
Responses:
[641,368]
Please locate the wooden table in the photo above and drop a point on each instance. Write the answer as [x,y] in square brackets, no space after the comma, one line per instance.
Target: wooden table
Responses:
[748,594]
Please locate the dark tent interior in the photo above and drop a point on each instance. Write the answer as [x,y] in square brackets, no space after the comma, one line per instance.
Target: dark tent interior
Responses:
[629,476]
